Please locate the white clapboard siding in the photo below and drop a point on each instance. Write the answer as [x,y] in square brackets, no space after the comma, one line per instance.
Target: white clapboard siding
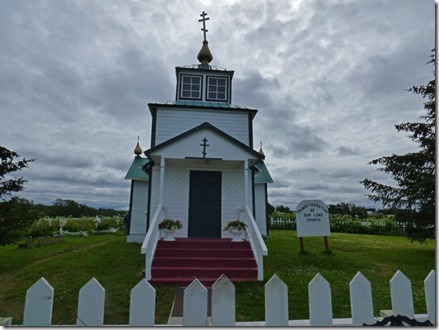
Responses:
[38,310]
[402,298]
[430,295]
[142,305]
[260,208]
[173,122]
[91,304]
[219,147]
[195,305]
[38,304]
[276,302]
[223,302]
[361,300]
[139,207]
[320,303]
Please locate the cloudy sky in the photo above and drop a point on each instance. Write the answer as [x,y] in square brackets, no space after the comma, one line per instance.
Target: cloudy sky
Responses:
[329,79]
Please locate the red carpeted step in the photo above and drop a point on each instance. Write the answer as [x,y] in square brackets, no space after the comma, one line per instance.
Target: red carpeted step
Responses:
[179,262]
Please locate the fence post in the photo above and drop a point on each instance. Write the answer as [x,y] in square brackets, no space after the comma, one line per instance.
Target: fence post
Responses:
[361,300]
[195,305]
[430,296]
[38,304]
[402,298]
[91,304]
[223,302]
[320,303]
[142,304]
[276,302]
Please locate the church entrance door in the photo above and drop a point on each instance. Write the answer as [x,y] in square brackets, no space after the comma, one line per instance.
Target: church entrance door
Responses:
[205,204]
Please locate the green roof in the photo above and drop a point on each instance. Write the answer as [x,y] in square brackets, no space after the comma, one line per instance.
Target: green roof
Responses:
[263,176]
[204,104]
[136,172]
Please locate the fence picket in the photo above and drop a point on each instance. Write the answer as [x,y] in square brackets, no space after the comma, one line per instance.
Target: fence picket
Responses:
[142,304]
[401,293]
[38,304]
[361,300]
[91,304]
[195,305]
[320,303]
[223,302]
[430,296]
[276,302]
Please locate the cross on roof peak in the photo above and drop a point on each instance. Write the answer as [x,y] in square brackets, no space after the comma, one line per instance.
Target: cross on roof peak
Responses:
[204,19]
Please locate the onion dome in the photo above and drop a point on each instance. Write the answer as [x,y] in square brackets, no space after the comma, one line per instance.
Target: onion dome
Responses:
[204,55]
[137,149]
[260,150]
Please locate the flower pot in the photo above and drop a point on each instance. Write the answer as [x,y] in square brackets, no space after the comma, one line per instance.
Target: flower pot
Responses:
[169,234]
[237,233]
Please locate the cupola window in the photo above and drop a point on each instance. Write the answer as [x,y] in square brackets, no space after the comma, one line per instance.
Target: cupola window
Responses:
[216,89]
[191,87]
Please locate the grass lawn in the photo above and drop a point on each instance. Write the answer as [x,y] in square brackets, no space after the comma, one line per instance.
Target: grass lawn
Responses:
[69,265]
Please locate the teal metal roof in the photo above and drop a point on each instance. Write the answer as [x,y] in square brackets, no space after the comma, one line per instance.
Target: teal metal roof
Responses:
[136,172]
[263,176]
[190,103]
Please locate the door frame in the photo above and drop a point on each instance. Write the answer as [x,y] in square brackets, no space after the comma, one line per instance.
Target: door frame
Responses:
[218,204]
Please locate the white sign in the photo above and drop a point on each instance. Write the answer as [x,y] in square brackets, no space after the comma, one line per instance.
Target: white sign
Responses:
[312,219]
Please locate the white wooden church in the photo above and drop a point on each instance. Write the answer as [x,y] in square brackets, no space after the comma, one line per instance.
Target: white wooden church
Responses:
[201,167]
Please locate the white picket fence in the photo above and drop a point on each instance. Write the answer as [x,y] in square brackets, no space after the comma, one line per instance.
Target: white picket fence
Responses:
[39,302]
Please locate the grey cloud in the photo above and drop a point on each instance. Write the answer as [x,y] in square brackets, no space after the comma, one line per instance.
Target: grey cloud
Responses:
[347,151]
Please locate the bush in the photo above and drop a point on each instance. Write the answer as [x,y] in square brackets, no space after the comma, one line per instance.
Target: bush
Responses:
[41,228]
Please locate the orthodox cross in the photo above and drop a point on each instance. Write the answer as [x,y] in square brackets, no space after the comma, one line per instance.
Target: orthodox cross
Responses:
[204,145]
[204,19]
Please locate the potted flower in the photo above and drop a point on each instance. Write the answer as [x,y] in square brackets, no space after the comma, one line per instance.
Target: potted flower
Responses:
[169,226]
[236,228]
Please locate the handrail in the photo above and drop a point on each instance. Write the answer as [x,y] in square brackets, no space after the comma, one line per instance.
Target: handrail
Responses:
[256,242]
[150,242]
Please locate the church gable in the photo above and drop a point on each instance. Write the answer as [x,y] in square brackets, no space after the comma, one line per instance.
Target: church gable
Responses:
[204,141]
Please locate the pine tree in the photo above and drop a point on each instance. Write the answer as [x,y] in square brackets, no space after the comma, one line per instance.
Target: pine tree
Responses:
[413,200]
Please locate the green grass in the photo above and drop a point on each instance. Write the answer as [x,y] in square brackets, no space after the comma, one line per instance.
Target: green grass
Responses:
[117,266]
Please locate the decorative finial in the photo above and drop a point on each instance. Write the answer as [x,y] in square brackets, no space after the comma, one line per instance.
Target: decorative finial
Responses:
[204,19]
[137,149]
[204,55]
[260,149]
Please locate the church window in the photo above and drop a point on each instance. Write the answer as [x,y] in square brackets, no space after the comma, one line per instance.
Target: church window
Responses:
[216,89]
[191,87]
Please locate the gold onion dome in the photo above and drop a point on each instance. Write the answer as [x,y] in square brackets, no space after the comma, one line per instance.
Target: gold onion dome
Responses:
[137,149]
[204,55]
[260,149]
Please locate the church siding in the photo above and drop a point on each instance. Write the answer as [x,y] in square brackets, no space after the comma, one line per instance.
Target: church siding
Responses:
[176,195]
[170,123]
[138,211]
[260,208]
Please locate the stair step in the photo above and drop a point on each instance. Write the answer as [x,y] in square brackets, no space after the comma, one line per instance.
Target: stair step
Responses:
[203,243]
[204,271]
[179,262]
[186,281]
[204,261]
[212,253]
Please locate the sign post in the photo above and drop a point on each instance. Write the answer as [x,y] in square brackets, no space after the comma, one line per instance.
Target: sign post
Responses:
[312,219]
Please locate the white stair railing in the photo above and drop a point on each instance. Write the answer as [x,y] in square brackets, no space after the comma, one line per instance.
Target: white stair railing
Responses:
[256,241]
[150,242]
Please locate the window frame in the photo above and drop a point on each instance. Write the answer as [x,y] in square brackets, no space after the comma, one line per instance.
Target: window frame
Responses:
[226,89]
[182,76]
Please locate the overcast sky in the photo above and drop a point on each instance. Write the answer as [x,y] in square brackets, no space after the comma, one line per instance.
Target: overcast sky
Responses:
[329,79]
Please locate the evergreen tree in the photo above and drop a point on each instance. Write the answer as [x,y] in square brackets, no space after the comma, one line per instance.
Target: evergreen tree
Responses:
[13,216]
[414,197]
